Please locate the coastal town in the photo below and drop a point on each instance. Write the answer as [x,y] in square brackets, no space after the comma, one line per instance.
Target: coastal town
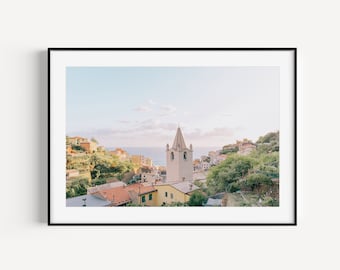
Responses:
[241,174]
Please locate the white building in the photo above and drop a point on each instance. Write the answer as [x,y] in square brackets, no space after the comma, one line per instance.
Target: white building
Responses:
[205,165]
[152,177]
[179,165]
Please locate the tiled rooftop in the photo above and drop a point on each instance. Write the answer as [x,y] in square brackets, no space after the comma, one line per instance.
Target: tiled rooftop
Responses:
[185,186]
[123,194]
[94,189]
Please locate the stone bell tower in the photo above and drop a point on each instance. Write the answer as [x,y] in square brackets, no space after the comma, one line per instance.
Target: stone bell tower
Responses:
[179,160]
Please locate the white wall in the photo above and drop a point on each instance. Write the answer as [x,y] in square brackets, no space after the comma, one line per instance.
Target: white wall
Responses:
[27,28]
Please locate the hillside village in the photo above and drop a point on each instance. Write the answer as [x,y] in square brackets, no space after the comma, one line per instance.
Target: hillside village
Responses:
[242,174]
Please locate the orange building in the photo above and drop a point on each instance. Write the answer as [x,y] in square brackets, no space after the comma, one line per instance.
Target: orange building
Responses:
[120,153]
[89,147]
[138,194]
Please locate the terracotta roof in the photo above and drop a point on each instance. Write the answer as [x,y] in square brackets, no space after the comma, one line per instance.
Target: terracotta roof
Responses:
[106,186]
[123,194]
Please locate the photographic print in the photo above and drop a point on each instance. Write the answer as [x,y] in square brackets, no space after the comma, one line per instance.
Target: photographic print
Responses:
[172,136]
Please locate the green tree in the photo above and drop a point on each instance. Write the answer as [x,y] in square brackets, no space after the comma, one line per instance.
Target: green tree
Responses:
[255,181]
[269,137]
[229,171]
[77,188]
[269,142]
[77,148]
[197,199]
[230,148]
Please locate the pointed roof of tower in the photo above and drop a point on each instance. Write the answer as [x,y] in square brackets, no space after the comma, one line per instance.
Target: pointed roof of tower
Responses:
[179,143]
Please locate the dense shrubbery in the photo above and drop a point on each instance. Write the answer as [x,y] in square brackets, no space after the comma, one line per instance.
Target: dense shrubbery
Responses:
[254,181]
[197,198]
[108,166]
[252,172]
[269,143]
[77,188]
[234,168]
[228,149]
[78,148]
[101,168]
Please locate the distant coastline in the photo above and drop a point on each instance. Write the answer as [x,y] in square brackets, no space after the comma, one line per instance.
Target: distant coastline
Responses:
[157,154]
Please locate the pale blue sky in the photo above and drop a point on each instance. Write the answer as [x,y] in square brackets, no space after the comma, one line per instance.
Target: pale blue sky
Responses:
[142,106]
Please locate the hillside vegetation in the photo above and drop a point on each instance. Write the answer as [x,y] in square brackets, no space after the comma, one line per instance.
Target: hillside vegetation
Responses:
[251,174]
[94,169]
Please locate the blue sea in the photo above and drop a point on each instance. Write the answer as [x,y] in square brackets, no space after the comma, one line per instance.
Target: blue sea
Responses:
[157,154]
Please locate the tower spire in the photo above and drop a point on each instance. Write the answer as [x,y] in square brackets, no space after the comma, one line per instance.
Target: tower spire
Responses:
[179,142]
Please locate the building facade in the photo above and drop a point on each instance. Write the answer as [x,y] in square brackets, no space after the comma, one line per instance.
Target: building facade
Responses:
[120,153]
[89,147]
[141,160]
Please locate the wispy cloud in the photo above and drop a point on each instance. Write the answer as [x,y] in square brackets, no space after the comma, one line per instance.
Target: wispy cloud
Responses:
[155,125]
[146,107]
[166,110]
[136,128]
[153,132]
[142,108]
[217,132]
[187,113]
[222,132]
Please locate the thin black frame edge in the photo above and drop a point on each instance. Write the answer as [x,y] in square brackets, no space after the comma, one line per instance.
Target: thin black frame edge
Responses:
[294,49]
[171,49]
[49,136]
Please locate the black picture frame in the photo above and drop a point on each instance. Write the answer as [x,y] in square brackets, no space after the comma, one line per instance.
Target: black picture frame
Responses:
[253,49]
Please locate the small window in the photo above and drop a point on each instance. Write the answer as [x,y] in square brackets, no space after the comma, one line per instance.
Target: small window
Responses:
[185,155]
[143,199]
[172,156]
[171,196]
[150,197]
[166,194]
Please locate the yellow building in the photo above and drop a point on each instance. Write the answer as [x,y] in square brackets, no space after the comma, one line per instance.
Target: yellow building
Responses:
[148,199]
[169,193]
[144,194]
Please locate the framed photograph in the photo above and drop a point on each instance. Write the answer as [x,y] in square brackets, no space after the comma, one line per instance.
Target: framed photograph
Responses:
[172,136]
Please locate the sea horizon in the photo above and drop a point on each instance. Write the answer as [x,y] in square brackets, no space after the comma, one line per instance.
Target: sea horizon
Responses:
[157,154]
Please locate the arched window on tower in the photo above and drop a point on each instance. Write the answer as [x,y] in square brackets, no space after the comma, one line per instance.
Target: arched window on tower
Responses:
[172,156]
[185,155]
